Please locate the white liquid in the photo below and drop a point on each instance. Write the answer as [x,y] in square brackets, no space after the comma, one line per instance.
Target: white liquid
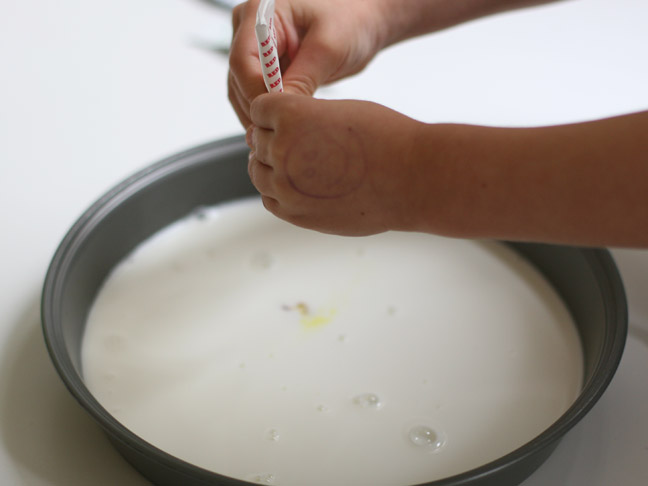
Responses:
[269,353]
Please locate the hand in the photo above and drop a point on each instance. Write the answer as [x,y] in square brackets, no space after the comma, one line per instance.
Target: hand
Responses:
[343,167]
[318,42]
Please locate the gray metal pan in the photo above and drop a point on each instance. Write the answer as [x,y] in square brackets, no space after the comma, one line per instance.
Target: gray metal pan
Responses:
[586,279]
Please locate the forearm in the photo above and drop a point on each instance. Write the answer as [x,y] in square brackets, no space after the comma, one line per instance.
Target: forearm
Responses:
[409,18]
[584,184]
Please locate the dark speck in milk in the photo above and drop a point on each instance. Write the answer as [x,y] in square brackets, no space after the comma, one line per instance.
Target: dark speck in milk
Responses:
[114,342]
[109,376]
[302,308]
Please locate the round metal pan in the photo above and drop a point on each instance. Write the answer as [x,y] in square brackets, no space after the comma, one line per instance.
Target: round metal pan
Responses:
[586,279]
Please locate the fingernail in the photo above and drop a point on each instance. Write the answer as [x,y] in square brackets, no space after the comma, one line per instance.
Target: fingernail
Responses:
[248,136]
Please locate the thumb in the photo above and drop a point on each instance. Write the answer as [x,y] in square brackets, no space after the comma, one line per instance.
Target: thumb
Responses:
[314,64]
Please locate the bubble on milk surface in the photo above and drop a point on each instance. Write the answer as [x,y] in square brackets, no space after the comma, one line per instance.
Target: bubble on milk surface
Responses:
[273,435]
[426,438]
[264,478]
[368,400]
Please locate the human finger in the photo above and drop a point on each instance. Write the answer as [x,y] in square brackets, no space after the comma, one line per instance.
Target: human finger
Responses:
[267,108]
[248,137]
[261,140]
[241,109]
[314,64]
[246,77]
[238,12]
[261,176]
[271,204]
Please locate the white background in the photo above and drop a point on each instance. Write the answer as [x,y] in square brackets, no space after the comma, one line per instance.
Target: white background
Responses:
[91,91]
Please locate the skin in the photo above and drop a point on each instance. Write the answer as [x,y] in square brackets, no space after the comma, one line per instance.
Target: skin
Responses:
[316,46]
[358,168]
[321,165]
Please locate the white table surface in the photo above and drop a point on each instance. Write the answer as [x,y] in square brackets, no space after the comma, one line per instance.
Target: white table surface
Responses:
[91,91]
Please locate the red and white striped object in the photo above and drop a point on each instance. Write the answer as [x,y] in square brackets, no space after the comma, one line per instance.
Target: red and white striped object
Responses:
[267,41]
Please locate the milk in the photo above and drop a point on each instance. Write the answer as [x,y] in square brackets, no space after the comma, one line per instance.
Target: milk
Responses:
[277,355]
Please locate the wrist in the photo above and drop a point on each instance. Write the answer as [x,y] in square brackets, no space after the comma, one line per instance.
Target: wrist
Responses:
[403,19]
[461,179]
[434,164]
[419,178]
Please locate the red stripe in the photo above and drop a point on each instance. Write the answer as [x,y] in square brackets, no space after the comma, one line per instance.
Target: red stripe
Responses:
[266,54]
[273,73]
[266,42]
[276,83]
[268,64]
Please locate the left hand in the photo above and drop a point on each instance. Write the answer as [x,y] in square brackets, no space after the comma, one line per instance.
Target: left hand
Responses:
[340,167]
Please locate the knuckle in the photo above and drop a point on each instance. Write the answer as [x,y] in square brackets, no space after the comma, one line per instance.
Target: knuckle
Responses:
[250,168]
[254,171]
[236,65]
[237,14]
[231,94]
[301,84]
[292,113]
[332,48]
[256,107]
[279,148]
[271,204]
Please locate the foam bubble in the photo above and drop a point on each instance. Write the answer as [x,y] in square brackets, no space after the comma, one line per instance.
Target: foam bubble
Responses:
[368,400]
[264,478]
[273,435]
[425,437]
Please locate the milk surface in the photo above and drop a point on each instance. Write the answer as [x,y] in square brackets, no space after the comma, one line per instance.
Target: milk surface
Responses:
[277,355]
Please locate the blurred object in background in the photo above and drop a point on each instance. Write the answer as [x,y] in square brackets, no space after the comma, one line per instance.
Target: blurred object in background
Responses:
[226,3]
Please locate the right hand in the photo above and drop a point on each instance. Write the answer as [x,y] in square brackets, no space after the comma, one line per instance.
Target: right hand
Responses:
[318,42]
